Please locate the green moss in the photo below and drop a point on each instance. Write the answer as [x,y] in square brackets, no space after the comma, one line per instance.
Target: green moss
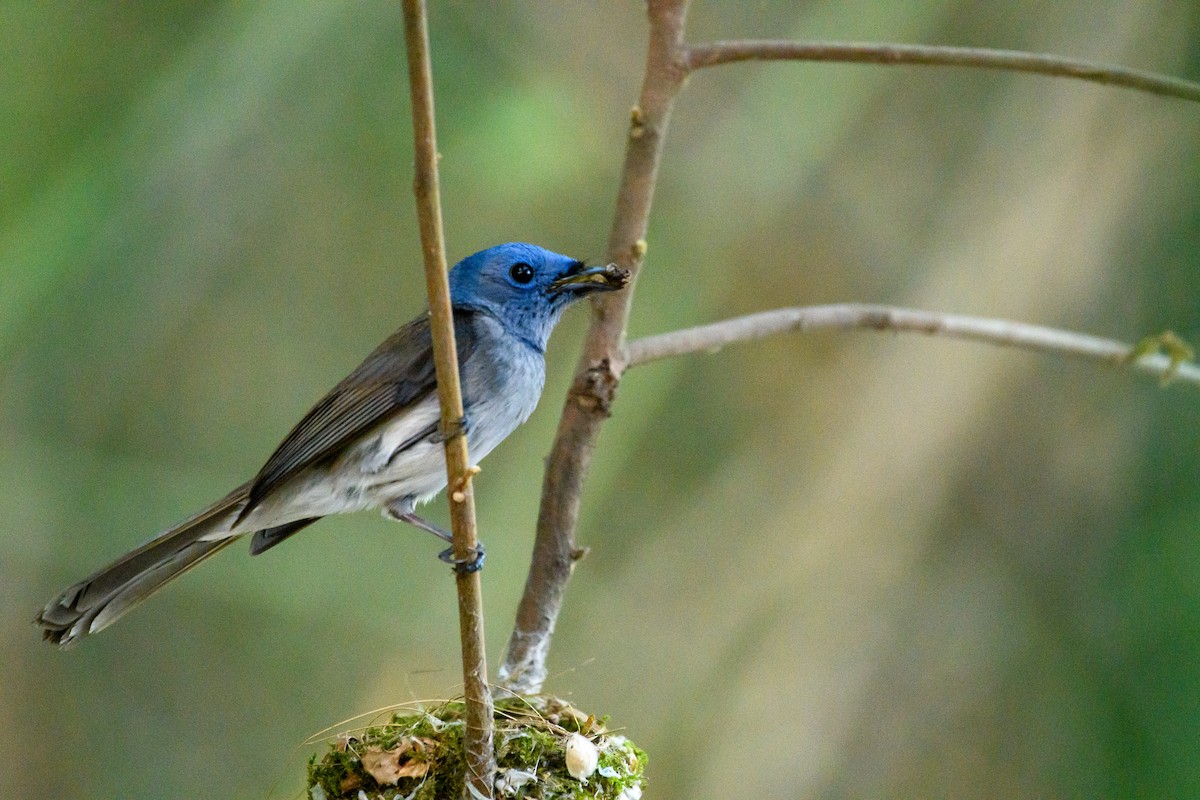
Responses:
[427,746]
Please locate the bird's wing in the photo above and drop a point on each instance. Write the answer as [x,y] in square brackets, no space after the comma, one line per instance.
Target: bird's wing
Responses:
[395,377]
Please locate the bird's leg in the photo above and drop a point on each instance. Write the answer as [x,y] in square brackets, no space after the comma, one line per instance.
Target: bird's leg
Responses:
[402,511]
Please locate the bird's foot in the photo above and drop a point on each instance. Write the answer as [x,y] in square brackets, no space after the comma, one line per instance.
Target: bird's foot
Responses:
[459,427]
[401,511]
[464,566]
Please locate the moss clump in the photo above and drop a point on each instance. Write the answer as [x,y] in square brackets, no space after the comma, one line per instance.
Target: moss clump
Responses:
[418,755]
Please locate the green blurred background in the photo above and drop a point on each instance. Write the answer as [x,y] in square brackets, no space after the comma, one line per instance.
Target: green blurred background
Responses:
[829,565]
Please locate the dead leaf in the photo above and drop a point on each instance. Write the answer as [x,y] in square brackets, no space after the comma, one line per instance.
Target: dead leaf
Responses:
[414,769]
[382,765]
[385,765]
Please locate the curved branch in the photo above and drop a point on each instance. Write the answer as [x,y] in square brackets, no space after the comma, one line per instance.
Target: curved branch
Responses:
[717,53]
[848,316]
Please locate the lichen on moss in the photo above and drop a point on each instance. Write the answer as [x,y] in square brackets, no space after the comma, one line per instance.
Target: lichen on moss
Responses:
[418,755]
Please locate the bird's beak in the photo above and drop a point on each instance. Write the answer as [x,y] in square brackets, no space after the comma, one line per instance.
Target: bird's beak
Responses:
[583,279]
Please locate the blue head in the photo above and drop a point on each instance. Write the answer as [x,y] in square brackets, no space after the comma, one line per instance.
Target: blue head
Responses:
[526,287]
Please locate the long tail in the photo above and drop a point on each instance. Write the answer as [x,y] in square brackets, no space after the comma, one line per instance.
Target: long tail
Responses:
[101,598]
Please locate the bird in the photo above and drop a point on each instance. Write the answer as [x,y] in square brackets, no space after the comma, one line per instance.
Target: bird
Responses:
[374,441]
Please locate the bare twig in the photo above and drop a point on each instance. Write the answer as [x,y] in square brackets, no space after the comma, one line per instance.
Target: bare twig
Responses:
[847,316]
[594,387]
[669,61]
[716,53]
[479,755]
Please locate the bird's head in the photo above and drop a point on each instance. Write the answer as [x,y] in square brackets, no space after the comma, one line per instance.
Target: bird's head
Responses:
[527,287]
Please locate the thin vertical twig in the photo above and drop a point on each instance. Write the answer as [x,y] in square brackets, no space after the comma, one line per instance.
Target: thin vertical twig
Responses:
[593,390]
[480,759]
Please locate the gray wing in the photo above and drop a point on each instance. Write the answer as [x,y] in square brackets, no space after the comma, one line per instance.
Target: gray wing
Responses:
[396,376]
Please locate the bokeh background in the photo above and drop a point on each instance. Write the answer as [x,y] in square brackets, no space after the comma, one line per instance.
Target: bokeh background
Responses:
[824,565]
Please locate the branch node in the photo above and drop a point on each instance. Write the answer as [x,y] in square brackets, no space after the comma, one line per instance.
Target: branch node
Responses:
[637,122]
[1169,343]
[458,494]
[879,319]
[596,389]
[580,553]
[639,249]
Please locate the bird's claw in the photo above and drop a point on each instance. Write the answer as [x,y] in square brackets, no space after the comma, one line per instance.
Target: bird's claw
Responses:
[458,427]
[464,566]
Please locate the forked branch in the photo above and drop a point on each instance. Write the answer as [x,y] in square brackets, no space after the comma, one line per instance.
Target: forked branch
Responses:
[669,61]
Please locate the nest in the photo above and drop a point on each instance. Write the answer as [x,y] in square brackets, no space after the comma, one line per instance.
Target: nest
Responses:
[545,748]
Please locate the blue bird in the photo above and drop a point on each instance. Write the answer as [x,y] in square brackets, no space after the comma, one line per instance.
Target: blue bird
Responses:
[373,441]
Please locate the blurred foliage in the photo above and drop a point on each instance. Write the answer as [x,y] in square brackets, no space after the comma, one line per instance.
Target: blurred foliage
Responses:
[938,568]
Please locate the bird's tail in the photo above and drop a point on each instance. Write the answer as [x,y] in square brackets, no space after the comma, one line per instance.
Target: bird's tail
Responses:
[101,598]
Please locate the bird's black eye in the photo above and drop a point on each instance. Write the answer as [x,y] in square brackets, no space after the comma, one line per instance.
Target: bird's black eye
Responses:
[521,272]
